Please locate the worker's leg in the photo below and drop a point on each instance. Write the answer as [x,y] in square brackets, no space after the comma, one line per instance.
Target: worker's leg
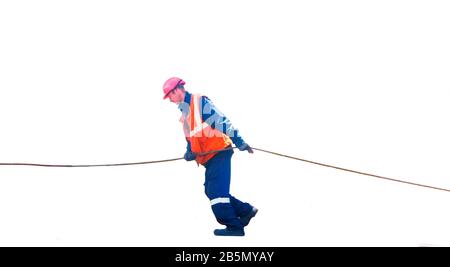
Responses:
[241,208]
[217,188]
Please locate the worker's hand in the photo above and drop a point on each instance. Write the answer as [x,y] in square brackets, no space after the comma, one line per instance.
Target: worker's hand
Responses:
[244,147]
[189,155]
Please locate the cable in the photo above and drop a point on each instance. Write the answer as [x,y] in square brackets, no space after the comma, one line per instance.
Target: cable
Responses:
[87,165]
[353,171]
[107,164]
[215,151]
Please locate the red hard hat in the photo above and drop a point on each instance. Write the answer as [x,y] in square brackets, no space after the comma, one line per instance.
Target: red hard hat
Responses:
[171,84]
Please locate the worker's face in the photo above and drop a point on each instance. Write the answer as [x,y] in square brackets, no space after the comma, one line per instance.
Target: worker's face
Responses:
[176,96]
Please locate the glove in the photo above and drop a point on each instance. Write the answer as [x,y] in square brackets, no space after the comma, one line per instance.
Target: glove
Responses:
[244,147]
[189,155]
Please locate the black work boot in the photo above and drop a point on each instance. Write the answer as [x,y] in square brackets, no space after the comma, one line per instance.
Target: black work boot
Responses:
[229,232]
[245,220]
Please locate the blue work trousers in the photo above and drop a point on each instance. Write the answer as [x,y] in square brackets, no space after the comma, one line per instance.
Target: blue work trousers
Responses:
[226,208]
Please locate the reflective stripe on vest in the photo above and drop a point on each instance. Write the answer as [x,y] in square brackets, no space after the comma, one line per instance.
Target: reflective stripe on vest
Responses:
[198,125]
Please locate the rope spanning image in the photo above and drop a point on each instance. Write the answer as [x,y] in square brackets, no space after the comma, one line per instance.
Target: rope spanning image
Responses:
[254,148]
[211,140]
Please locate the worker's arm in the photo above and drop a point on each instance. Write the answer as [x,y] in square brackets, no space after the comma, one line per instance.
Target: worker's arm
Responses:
[189,155]
[188,146]
[217,120]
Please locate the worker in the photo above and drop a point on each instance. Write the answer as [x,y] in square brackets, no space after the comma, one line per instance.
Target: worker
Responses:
[207,129]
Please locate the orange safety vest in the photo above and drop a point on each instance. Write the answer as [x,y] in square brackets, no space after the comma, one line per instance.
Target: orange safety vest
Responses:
[201,135]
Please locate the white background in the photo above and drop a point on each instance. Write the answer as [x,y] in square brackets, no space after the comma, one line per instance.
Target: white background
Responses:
[362,85]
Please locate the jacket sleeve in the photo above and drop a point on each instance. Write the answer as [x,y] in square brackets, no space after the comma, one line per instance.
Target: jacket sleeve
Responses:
[217,120]
[188,146]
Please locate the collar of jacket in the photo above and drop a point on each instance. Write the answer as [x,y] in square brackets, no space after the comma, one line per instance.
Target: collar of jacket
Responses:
[186,103]
[187,98]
